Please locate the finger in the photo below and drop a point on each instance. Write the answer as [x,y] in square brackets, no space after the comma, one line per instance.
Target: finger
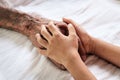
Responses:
[38,28]
[52,28]
[43,52]
[45,33]
[41,41]
[79,30]
[70,21]
[60,24]
[34,41]
[66,20]
[71,29]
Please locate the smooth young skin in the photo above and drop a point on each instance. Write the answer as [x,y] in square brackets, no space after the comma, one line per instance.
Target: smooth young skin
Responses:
[98,47]
[51,45]
[66,54]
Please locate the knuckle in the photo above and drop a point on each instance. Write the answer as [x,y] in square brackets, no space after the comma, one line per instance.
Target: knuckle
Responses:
[56,35]
[40,40]
[73,36]
[42,31]
[51,41]
[50,25]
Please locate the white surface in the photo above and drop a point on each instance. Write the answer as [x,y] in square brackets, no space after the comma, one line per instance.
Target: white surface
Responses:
[19,59]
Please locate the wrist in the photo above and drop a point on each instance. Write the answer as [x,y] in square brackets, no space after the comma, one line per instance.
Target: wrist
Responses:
[92,45]
[78,69]
[72,59]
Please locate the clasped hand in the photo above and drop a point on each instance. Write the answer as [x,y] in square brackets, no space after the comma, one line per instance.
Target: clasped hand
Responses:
[62,48]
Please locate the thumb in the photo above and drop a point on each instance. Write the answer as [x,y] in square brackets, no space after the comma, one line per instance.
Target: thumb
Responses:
[71,29]
[66,20]
[79,30]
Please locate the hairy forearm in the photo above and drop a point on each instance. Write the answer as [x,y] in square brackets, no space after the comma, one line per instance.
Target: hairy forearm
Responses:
[23,23]
[26,24]
[20,22]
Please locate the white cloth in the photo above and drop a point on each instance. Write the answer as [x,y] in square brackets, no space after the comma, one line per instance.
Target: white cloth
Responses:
[19,59]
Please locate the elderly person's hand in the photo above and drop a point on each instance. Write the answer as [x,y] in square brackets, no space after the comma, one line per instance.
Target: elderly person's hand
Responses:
[64,50]
[59,47]
[63,29]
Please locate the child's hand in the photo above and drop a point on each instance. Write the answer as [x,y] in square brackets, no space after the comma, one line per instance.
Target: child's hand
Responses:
[59,47]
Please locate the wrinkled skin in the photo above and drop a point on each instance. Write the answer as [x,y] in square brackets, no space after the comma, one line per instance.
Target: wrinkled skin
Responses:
[62,27]
[30,25]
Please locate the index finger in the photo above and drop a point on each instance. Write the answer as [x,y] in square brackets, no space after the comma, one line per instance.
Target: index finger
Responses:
[78,29]
[53,29]
[70,21]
